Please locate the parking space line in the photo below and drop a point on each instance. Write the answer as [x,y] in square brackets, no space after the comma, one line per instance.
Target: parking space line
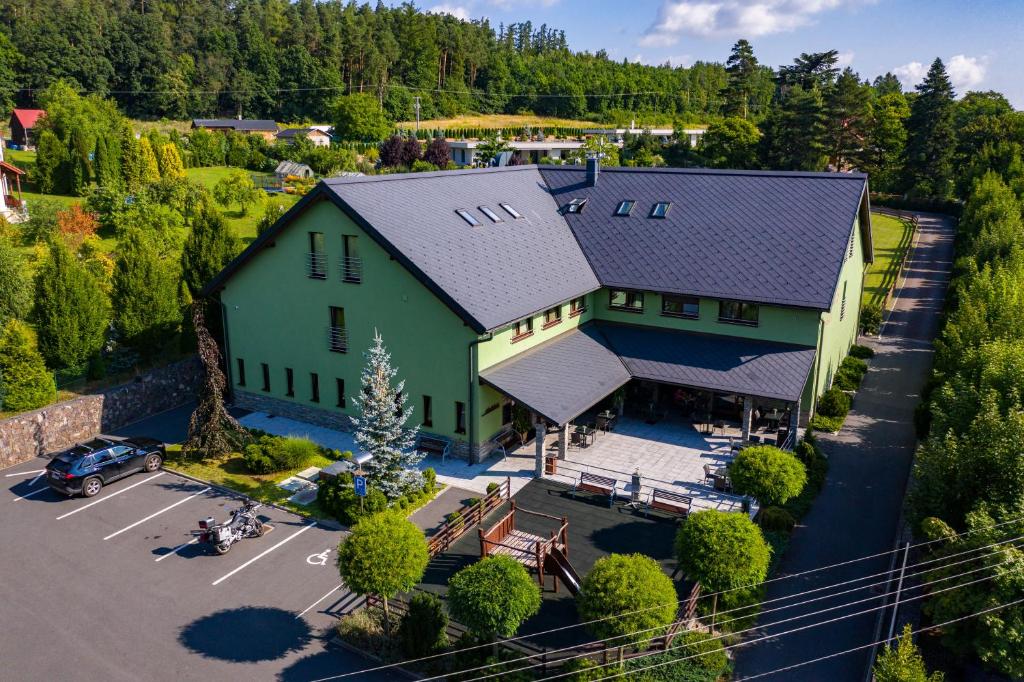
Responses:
[107,497]
[333,590]
[155,514]
[35,480]
[26,473]
[28,495]
[175,550]
[264,553]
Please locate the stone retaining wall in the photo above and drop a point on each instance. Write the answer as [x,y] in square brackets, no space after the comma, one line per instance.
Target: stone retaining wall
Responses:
[61,425]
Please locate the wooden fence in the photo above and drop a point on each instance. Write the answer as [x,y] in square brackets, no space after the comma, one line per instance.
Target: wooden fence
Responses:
[469,516]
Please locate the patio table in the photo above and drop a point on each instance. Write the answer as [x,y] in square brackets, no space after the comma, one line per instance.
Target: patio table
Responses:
[586,435]
[773,418]
[606,420]
[721,481]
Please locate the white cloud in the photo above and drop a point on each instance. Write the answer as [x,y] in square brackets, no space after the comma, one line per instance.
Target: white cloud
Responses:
[844,59]
[511,4]
[737,18]
[964,72]
[672,60]
[679,60]
[456,11]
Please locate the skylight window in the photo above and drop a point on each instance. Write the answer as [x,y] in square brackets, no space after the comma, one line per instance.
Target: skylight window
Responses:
[486,210]
[468,217]
[625,207]
[511,211]
[660,209]
[576,206]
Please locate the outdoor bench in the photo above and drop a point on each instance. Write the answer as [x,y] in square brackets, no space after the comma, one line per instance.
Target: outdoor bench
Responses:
[433,445]
[668,501]
[599,485]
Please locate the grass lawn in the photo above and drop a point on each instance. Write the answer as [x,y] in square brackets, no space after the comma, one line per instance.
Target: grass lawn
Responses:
[891,237]
[244,226]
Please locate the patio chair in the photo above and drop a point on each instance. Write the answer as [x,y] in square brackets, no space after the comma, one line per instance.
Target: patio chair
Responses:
[709,473]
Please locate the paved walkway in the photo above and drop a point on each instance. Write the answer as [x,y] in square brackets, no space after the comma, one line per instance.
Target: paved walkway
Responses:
[857,512]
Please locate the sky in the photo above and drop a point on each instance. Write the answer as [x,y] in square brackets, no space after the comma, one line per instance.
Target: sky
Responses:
[978,40]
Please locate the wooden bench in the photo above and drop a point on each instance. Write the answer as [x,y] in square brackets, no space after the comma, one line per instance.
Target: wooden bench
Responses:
[668,501]
[433,445]
[599,485]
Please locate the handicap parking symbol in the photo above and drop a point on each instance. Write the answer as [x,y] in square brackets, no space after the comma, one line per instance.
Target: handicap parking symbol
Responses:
[318,559]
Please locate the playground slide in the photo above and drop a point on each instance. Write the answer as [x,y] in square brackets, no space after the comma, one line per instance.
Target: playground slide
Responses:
[557,564]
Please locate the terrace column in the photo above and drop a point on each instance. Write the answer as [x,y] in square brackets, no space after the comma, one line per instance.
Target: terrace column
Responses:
[748,409]
[563,440]
[542,432]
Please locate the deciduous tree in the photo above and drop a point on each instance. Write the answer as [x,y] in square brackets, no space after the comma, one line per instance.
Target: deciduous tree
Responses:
[769,474]
[626,599]
[493,597]
[359,117]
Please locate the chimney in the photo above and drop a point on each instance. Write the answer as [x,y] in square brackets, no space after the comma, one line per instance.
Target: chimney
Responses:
[593,168]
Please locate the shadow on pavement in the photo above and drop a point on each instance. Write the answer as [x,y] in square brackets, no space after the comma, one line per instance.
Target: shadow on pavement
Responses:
[328,663]
[246,635]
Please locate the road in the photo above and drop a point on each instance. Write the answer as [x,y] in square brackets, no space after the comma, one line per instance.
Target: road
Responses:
[858,511]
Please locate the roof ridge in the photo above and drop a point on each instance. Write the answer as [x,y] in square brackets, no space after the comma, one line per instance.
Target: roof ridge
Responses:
[431,174]
[665,170]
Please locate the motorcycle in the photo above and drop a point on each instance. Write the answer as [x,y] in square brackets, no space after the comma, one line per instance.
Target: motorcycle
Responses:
[243,524]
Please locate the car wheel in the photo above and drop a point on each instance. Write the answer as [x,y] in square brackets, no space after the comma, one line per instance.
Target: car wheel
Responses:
[153,463]
[92,486]
[222,548]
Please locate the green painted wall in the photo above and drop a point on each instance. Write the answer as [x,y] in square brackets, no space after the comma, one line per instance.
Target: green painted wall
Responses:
[278,315]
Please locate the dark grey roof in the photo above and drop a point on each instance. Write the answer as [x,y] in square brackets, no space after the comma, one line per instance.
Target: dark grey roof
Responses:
[234,124]
[292,132]
[562,377]
[718,363]
[769,237]
[493,273]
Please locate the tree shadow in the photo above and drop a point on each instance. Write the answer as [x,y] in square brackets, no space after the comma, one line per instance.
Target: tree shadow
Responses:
[246,635]
[331,662]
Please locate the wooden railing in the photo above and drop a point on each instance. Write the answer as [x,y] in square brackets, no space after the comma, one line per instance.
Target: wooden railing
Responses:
[469,517]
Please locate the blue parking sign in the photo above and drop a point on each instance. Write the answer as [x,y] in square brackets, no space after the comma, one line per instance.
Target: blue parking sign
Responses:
[360,484]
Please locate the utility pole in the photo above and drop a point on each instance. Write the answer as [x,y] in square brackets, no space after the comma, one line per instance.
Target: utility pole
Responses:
[899,588]
[416,106]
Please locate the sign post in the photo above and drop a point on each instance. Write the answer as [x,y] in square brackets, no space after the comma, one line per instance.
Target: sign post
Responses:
[359,481]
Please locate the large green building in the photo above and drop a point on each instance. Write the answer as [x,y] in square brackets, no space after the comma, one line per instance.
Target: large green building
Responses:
[554,288]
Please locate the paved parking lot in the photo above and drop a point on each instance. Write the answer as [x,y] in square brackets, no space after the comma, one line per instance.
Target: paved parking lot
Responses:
[111,588]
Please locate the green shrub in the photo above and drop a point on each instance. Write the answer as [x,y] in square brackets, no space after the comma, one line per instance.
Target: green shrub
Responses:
[473,501]
[364,629]
[777,518]
[337,497]
[871,319]
[808,452]
[257,461]
[820,422]
[632,587]
[455,520]
[846,380]
[834,403]
[423,629]
[491,487]
[862,352]
[768,474]
[709,661]
[271,454]
[854,364]
[585,670]
[429,480]
[709,652]
[493,597]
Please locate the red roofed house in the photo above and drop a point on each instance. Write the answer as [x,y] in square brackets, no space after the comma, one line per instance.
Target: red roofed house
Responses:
[22,122]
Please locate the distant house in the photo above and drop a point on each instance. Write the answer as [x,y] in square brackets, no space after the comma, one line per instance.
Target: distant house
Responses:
[464,152]
[294,169]
[315,135]
[264,128]
[12,208]
[22,123]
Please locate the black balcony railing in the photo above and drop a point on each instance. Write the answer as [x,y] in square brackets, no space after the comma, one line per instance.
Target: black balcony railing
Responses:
[316,265]
[351,269]
[337,339]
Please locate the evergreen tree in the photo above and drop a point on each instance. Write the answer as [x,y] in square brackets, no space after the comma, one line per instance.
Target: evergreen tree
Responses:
[794,133]
[15,285]
[208,248]
[380,427]
[25,383]
[150,167]
[884,141]
[741,69]
[71,310]
[903,662]
[144,295]
[931,138]
[107,163]
[133,170]
[51,164]
[171,166]
[847,119]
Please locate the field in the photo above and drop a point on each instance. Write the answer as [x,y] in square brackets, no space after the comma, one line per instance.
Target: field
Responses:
[892,238]
[244,226]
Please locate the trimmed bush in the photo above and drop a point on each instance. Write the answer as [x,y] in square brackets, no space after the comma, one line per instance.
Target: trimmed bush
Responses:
[271,454]
[634,586]
[423,628]
[768,474]
[834,403]
[846,381]
[491,487]
[429,480]
[493,597]
[871,319]
[777,519]
[862,352]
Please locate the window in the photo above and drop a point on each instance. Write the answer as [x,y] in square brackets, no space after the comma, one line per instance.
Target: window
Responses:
[337,334]
[351,263]
[660,209]
[577,306]
[314,387]
[576,206]
[241,372]
[842,306]
[428,411]
[289,377]
[631,301]
[339,385]
[680,306]
[625,207]
[511,211]
[266,376]
[317,259]
[460,417]
[486,210]
[468,217]
[552,316]
[523,329]
[737,312]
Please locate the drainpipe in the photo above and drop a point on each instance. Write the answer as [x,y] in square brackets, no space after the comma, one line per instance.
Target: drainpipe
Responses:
[472,409]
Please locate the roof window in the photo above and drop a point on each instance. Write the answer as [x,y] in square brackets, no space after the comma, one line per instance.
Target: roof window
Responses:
[511,211]
[486,210]
[625,207]
[660,209]
[467,216]
[576,206]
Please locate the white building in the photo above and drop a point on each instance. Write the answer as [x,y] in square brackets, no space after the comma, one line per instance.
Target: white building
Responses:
[617,135]
[463,152]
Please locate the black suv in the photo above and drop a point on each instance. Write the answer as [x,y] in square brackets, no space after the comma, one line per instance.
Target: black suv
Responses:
[87,467]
